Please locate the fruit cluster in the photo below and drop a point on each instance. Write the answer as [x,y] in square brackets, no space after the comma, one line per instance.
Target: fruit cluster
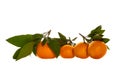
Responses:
[43,46]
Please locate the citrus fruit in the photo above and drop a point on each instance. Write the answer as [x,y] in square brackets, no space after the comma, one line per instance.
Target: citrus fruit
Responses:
[97,49]
[43,51]
[66,51]
[80,50]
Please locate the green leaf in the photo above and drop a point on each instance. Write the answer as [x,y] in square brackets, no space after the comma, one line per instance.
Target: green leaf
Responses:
[62,37]
[61,42]
[97,37]
[54,45]
[16,54]
[34,50]
[20,40]
[37,37]
[35,46]
[98,28]
[101,32]
[105,40]
[95,31]
[24,51]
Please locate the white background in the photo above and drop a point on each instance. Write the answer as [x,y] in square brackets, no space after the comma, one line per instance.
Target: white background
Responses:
[69,17]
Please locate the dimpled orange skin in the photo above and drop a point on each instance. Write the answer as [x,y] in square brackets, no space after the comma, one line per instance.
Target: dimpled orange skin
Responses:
[97,49]
[66,51]
[43,51]
[80,50]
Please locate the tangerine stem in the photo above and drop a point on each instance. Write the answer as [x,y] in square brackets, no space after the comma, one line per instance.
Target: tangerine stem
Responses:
[46,34]
[84,38]
[49,32]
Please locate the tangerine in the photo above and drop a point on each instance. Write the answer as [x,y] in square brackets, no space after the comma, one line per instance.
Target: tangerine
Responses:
[66,51]
[80,50]
[43,51]
[97,49]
